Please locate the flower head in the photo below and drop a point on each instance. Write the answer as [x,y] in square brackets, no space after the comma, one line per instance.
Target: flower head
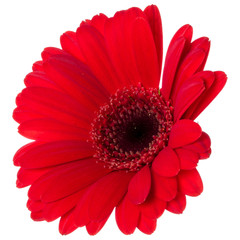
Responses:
[105,136]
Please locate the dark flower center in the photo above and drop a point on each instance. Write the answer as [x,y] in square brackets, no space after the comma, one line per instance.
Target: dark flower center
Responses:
[131,129]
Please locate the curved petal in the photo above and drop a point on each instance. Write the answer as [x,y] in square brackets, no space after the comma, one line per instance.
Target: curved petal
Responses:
[66,179]
[127,216]
[184,132]
[109,190]
[66,224]
[95,226]
[200,146]
[154,19]
[147,225]
[69,44]
[178,204]
[177,47]
[118,37]
[188,159]
[166,163]
[188,93]
[190,182]
[208,95]
[164,188]
[139,186]
[146,57]
[51,130]
[93,47]
[39,155]
[26,177]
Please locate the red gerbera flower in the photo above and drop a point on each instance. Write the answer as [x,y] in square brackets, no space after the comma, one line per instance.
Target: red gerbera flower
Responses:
[104,135]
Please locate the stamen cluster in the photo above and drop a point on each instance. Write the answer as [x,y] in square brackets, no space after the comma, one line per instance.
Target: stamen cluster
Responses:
[131,129]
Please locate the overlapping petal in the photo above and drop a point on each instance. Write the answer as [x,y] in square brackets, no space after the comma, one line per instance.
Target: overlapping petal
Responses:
[59,103]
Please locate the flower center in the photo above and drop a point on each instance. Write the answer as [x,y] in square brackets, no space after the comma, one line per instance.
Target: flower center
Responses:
[131,129]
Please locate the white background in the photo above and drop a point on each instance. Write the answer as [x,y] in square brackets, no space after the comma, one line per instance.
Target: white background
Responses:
[29,26]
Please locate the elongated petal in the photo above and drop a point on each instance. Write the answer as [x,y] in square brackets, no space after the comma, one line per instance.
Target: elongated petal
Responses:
[152,208]
[69,44]
[70,178]
[184,132]
[55,105]
[66,224]
[178,204]
[164,188]
[208,96]
[118,37]
[188,159]
[188,67]
[95,226]
[39,79]
[39,155]
[155,22]
[179,44]
[54,210]
[147,225]
[51,130]
[146,58]
[26,177]
[139,186]
[93,47]
[127,216]
[166,163]
[202,145]
[190,182]
[187,94]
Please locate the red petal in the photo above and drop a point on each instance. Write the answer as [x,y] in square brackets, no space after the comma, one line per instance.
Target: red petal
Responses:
[50,51]
[39,155]
[184,132]
[188,67]
[54,210]
[166,163]
[26,177]
[38,66]
[127,215]
[146,58]
[66,224]
[188,93]
[202,145]
[204,44]
[98,22]
[51,130]
[190,182]
[172,59]
[69,44]
[108,191]
[93,47]
[155,22]
[74,77]
[39,79]
[207,97]
[118,37]
[178,204]
[185,31]
[177,47]
[94,227]
[139,186]
[66,179]
[188,159]
[164,188]
[206,154]
[153,207]
[147,225]
[55,105]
